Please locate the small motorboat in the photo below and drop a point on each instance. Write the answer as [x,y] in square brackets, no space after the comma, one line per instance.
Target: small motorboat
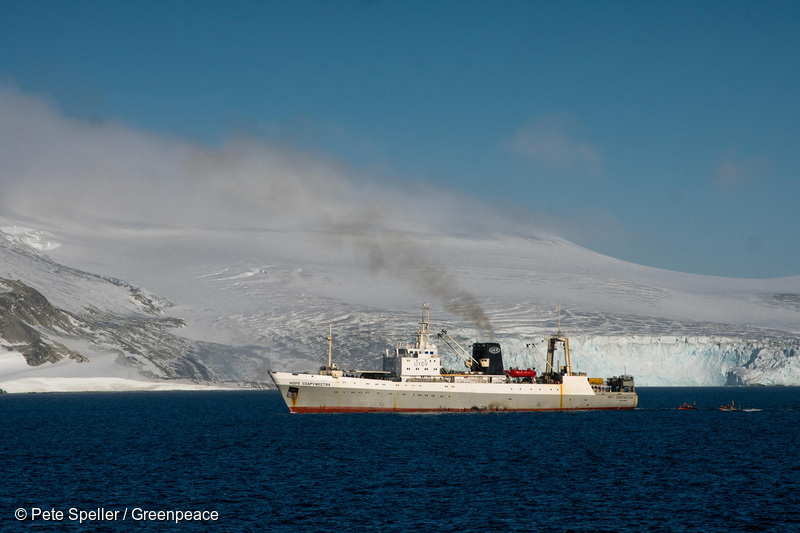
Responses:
[687,406]
[730,407]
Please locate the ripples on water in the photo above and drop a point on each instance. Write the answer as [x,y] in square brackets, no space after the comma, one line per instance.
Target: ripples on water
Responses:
[243,455]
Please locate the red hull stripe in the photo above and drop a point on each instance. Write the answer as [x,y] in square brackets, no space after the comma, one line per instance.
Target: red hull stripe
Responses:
[389,410]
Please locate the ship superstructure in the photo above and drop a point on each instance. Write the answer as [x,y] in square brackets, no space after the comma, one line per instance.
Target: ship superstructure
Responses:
[413,379]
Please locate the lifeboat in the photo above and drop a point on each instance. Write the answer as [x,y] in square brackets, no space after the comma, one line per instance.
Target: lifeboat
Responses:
[520,373]
[730,407]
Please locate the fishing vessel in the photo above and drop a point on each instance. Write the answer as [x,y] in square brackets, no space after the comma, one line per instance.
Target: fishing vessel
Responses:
[413,379]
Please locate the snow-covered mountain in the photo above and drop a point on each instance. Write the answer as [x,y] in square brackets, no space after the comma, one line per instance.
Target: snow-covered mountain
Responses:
[92,332]
[223,306]
[169,259]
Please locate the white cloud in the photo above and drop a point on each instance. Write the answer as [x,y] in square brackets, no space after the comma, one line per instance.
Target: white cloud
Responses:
[552,141]
[57,167]
[53,166]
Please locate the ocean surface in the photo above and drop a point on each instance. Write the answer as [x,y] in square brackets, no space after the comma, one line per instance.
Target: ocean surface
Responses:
[239,461]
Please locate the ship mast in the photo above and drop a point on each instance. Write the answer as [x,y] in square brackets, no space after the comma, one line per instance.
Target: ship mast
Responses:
[551,348]
[426,325]
[330,343]
[332,369]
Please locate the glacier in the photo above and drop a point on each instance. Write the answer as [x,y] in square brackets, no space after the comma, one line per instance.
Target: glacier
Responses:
[682,361]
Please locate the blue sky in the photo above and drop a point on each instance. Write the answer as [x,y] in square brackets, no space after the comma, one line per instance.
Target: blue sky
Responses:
[662,133]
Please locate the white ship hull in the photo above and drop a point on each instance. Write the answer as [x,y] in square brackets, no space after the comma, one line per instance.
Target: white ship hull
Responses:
[310,393]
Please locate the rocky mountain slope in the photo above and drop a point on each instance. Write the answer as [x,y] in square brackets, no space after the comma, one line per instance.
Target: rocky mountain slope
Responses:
[99,318]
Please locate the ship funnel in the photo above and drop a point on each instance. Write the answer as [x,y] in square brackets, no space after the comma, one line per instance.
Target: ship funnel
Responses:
[487,357]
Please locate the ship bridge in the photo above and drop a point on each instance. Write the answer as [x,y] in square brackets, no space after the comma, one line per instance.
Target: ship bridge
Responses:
[416,360]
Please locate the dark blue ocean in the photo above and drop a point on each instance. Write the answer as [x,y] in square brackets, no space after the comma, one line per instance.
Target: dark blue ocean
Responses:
[242,462]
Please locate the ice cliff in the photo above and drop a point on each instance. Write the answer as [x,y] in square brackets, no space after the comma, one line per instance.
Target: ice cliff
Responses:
[679,361]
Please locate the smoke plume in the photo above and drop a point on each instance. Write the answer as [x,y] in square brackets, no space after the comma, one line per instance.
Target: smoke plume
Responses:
[60,169]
